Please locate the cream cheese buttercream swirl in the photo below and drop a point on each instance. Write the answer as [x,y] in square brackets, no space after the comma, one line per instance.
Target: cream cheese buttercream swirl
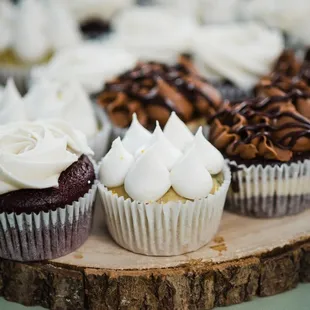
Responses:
[34,154]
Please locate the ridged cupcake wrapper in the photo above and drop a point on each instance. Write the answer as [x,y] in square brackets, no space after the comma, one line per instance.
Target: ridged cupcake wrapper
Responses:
[100,143]
[20,76]
[233,93]
[164,229]
[270,191]
[46,235]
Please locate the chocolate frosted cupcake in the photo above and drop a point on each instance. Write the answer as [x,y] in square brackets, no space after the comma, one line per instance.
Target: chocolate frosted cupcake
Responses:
[154,90]
[163,193]
[290,78]
[267,143]
[47,190]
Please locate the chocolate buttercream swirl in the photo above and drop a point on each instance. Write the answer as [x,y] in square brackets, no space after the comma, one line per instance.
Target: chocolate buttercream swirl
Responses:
[154,90]
[290,78]
[268,128]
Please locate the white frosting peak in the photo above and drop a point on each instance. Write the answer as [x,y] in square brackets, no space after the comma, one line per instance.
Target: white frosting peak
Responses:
[115,165]
[30,37]
[189,177]
[33,155]
[7,11]
[211,157]
[148,179]
[136,136]
[164,150]
[11,106]
[177,132]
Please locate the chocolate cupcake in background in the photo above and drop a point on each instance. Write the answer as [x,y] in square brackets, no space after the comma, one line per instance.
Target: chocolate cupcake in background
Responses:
[267,144]
[290,78]
[154,90]
[47,191]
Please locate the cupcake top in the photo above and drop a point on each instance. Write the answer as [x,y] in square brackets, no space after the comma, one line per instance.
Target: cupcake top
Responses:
[156,166]
[68,102]
[34,154]
[139,31]
[35,29]
[290,78]
[237,52]
[91,64]
[263,129]
[153,90]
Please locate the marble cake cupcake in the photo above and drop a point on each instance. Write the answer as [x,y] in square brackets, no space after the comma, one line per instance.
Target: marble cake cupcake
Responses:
[154,90]
[47,190]
[290,78]
[267,144]
[163,193]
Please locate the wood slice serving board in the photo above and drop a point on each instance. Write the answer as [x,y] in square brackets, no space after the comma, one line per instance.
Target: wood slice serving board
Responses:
[248,257]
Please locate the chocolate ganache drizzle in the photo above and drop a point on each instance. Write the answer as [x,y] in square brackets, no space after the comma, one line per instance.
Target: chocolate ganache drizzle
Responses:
[153,90]
[290,78]
[261,128]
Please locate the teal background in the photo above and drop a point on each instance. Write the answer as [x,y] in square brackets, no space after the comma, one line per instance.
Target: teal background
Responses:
[297,299]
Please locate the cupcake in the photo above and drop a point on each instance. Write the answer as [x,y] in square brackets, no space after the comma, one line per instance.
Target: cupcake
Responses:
[238,66]
[68,102]
[32,32]
[47,190]
[91,64]
[153,90]
[267,145]
[290,78]
[163,194]
[94,16]
[139,31]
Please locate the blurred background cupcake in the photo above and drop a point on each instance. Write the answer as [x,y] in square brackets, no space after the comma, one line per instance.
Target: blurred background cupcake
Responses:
[33,30]
[153,90]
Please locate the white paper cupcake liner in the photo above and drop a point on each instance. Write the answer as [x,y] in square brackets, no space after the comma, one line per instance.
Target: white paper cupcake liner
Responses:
[164,229]
[20,76]
[100,143]
[270,191]
[46,235]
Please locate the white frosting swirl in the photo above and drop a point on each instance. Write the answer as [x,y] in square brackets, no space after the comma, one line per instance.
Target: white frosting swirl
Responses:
[211,157]
[241,53]
[162,148]
[136,136]
[91,64]
[30,41]
[177,132]
[12,108]
[153,33]
[7,11]
[115,165]
[33,155]
[68,102]
[189,177]
[148,179]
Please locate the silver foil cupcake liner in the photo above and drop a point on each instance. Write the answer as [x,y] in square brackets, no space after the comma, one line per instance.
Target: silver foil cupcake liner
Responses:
[233,93]
[167,229]
[19,75]
[269,191]
[46,235]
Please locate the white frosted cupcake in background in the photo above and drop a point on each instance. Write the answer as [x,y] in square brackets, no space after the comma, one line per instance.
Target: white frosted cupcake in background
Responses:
[153,33]
[91,64]
[163,193]
[33,31]
[68,102]
[236,55]
[94,16]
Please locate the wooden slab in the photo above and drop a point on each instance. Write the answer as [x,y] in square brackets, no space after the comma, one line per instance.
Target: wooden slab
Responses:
[248,257]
